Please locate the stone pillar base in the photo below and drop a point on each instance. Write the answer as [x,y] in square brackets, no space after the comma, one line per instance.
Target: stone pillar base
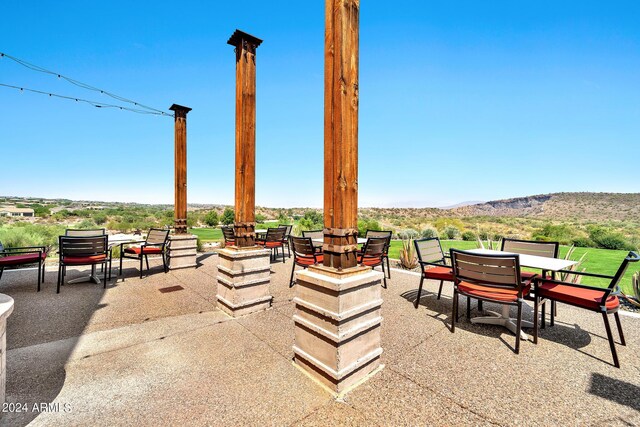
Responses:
[6,308]
[337,325]
[181,251]
[243,280]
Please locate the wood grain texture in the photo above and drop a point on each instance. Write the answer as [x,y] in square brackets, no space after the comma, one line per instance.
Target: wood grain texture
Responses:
[341,127]
[180,178]
[245,177]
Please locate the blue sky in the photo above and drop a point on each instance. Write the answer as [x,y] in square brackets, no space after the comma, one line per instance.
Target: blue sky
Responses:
[459,100]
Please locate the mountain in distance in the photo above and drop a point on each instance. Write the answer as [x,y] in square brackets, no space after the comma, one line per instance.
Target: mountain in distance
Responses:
[463,204]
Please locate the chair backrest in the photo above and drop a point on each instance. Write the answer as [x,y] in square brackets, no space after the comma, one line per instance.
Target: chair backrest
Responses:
[275,234]
[631,257]
[287,229]
[374,247]
[228,234]
[157,236]
[528,247]
[313,234]
[83,245]
[85,233]
[302,246]
[382,234]
[429,250]
[502,271]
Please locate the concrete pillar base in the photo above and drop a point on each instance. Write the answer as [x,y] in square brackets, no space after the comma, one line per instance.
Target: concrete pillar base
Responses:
[182,251]
[337,325]
[6,308]
[243,280]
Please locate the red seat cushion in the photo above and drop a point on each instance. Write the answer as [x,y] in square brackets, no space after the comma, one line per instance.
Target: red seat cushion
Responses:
[308,260]
[22,259]
[371,261]
[490,292]
[439,273]
[586,298]
[273,244]
[92,259]
[147,250]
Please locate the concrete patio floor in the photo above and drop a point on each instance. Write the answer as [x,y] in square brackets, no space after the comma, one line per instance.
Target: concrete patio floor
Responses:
[132,354]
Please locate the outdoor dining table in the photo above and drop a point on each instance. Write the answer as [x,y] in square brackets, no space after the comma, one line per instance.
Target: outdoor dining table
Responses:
[320,242]
[532,261]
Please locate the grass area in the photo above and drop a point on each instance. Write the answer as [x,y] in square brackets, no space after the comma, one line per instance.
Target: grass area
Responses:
[601,261]
[207,234]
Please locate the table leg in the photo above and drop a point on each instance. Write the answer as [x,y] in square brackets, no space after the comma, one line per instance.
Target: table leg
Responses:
[93,277]
[503,319]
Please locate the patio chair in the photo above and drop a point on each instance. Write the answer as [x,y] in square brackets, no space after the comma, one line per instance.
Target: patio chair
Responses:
[432,263]
[83,250]
[492,278]
[386,235]
[229,235]
[11,257]
[287,234]
[273,240]
[78,232]
[597,299]
[155,244]
[304,254]
[528,247]
[373,255]
[315,235]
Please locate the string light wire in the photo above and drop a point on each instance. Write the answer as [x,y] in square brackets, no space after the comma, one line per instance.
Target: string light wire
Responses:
[80,84]
[93,103]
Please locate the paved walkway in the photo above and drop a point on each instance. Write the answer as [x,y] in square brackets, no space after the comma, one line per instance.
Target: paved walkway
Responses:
[133,355]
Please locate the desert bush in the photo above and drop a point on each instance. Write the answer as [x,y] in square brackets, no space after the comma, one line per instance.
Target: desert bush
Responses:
[429,232]
[85,224]
[25,234]
[311,220]
[562,233]
[469,236]
[583,242]
[407,234]
[367,224]
[198,245]
[604,238]
[450,232]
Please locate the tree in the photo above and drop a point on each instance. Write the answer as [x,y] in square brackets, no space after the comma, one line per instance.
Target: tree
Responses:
[211,219]
[312,220]
[228,216]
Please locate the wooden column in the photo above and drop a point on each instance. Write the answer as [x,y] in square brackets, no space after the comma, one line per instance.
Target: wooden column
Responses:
[341,133]
[180,208]
[245,194]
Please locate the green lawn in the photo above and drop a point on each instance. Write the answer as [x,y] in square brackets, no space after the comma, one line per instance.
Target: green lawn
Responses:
[601,261]
[207,234]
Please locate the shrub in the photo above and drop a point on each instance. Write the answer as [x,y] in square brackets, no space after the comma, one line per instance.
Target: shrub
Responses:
[408,258]
[311,220]
[211,219]
[469,236]
[228,216]
[607,239]
[583,242]
[367,224]
[198,245]
[450,232]
[86,224]
[429,232]
[260,218]
[562,233]
[407,234]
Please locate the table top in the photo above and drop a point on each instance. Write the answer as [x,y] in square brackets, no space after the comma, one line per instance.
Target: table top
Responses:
[261,230]
[531,261]
[361,240]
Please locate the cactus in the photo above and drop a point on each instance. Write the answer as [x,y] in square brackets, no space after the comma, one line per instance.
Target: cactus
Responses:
[408,258]
[635,280]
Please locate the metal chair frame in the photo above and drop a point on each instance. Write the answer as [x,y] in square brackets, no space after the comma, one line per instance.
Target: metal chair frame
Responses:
[147,244]
[23,250]
[374,250]
[438,261]
[83,246]
[302,248]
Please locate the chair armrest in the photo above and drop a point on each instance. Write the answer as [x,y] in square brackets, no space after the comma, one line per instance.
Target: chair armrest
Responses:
[131,243]
[22,248]
[537,280]
[584,273]
[423,263]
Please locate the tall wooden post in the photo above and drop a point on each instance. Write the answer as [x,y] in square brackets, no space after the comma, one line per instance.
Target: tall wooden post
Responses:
[245,192]
[180,208]
[244,269]
[341,133]
[338,305]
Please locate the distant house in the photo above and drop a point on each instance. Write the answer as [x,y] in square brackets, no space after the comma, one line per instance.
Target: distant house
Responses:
[13,211]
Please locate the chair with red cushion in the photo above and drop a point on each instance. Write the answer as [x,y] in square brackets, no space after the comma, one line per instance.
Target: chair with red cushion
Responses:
[83,250]
[432,263]
[155,244]
[592,298]
[273,240]
[373,254]
[385,235]
[318,236]
[491,278]
[304,254]
[229,236]
[11,257]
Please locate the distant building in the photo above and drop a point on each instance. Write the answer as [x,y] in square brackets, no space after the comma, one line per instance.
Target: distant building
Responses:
[13,211]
